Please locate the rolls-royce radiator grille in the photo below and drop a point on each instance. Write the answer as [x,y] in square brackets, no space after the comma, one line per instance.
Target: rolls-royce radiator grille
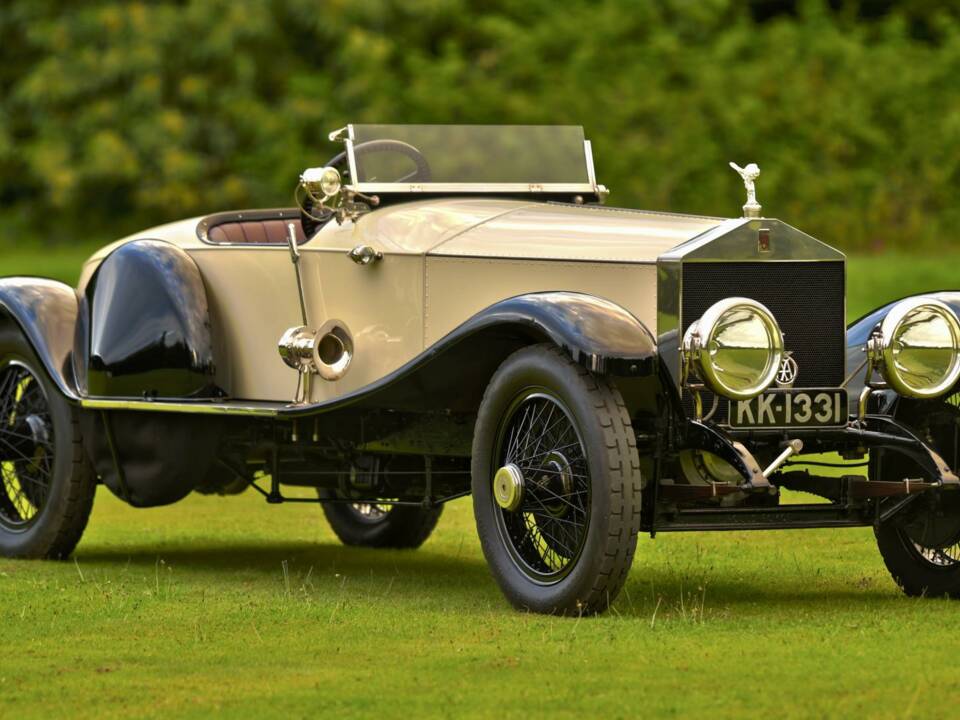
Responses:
[806,298]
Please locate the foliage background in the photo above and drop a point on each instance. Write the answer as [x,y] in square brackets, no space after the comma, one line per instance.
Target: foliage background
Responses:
[114,115]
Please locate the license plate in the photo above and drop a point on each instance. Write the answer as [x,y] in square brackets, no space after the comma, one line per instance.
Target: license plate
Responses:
[791,408]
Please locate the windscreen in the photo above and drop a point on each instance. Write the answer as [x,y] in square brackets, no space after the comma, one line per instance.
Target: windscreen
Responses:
[487,154]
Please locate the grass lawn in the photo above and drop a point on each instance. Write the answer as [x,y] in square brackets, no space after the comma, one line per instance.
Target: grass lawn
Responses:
[230,605]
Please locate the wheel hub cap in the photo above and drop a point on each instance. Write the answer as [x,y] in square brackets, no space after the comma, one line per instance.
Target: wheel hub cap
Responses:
[508,487]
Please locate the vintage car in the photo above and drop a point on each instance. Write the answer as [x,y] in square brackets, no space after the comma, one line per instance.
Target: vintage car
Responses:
[452,311]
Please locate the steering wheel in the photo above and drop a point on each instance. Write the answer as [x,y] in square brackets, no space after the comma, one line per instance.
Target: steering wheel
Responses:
[421,173]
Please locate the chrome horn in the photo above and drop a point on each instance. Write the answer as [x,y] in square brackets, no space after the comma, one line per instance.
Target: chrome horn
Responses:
[327,352]
[333,350]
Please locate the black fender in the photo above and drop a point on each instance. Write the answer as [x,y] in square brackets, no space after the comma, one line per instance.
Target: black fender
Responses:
[600,335]
[858,332]
[46,312]
[700,435]
[452,373]
[146,326]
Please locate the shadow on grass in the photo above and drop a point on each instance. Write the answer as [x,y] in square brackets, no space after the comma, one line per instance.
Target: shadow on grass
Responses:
[462,579]
[762,597]
[243,560]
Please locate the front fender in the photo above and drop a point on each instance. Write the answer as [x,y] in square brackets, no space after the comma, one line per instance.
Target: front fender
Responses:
[600,335]
[46,312]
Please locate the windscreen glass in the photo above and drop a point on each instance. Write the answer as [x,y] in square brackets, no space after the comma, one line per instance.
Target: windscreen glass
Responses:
[488,154]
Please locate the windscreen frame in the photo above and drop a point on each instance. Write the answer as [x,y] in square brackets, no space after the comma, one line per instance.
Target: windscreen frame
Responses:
[587,188]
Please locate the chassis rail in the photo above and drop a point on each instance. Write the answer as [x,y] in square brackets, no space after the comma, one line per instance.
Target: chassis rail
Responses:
[850,501]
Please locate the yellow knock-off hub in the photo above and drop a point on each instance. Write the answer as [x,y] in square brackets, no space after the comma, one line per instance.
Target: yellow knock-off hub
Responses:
[508,487]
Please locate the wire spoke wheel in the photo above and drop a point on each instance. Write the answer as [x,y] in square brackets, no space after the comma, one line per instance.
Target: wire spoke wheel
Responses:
[556,483]
[26,447]
[546,533]
[377,523]
[370,512]
[921,546]
[945,557]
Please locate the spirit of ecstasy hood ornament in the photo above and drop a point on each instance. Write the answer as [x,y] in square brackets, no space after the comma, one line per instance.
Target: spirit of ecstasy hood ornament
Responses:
[749,173]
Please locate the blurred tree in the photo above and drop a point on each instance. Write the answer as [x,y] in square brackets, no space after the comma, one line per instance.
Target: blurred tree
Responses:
[117,114]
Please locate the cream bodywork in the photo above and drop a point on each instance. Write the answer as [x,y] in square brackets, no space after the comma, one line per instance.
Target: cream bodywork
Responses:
[443,261]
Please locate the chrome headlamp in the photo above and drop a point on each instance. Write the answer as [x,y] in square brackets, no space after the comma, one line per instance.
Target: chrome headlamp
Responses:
[321,182]
[917,348]
[736,348]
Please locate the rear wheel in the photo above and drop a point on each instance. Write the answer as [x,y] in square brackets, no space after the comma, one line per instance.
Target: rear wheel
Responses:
[556,484]
[47,485]
[366,524]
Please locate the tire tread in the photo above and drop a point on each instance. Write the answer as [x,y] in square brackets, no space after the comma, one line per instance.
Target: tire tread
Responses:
[623,465]
[67,508]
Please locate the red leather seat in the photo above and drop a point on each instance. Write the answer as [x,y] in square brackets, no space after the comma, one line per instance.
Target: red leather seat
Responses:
[253,232]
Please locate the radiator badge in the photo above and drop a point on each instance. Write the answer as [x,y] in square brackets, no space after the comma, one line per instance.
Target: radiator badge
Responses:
[749,174]
[787,375]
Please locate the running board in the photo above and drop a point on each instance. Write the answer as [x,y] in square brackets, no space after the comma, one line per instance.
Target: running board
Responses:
[785,517]
[193,407]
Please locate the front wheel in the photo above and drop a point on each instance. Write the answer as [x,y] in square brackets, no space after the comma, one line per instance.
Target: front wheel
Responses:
[921,567]
[921,546]
[556,484]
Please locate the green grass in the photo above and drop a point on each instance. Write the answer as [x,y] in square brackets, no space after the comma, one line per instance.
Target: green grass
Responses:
[229,605]
[875,279]
[58,262]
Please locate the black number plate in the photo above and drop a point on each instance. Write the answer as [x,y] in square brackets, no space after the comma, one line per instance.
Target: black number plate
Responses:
[809,407]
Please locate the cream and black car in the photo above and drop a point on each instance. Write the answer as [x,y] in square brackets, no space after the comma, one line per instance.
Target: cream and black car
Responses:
[451,311]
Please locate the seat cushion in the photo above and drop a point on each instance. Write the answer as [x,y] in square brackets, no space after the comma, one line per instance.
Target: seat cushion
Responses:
[254,232]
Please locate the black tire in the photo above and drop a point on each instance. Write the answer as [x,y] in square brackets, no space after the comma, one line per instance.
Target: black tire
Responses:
[375,526]
[918,570]
[921,546]
[574,562]
[47,485]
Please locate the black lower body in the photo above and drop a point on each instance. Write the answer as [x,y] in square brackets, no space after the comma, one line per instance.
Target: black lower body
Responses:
[423,459]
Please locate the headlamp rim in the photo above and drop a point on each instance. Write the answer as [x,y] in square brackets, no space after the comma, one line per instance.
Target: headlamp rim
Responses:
[883,346]
[700,333]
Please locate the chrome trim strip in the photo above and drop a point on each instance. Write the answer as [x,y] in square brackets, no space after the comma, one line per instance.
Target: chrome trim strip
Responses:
[588,153]
[429,187]
[351,158]
[197,407]
[740,245]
